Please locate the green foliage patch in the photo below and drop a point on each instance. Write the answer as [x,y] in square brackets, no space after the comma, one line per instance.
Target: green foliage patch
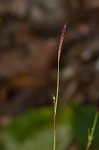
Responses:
[34,130]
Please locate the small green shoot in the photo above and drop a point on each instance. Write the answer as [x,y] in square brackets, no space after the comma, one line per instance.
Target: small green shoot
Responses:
[91,133]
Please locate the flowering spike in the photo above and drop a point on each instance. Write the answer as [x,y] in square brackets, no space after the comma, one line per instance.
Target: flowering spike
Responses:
[61,42]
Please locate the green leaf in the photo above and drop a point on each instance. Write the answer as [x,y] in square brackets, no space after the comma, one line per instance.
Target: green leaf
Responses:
[34,130]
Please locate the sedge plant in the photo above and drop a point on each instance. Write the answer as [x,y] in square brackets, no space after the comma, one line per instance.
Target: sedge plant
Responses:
[55,98]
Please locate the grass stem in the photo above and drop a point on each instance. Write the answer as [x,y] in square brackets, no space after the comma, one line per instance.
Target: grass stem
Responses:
[55,99]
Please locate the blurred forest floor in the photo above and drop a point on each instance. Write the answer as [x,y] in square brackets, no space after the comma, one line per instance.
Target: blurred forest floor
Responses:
[29,39]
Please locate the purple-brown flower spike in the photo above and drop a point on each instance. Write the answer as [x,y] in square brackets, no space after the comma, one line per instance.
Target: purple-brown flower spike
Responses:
[61,42]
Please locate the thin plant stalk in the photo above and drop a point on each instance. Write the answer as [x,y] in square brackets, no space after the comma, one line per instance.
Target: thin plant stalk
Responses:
[55,99]
[91,133]
[55,108]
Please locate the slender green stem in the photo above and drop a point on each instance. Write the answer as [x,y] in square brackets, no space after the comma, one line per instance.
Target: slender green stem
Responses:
[57,87]
[91,134]
[55,107]
[54,146]
[55,99]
